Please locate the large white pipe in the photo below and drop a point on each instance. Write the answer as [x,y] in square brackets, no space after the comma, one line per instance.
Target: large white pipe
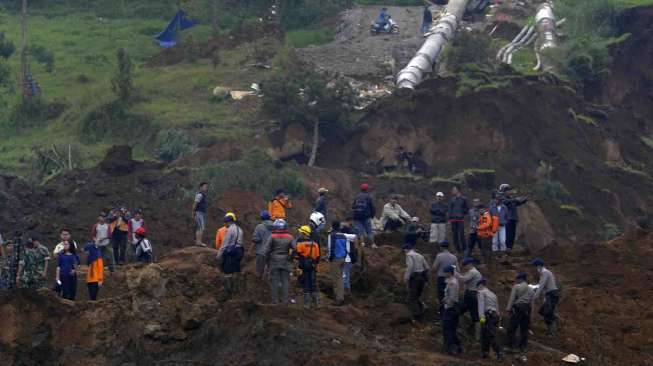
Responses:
[438,36]
[545,23]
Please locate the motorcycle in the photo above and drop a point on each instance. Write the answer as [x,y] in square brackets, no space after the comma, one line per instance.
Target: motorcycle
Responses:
[390,27]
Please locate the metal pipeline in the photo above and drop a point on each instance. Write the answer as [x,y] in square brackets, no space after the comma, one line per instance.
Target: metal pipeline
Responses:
[437,37]
[545,23]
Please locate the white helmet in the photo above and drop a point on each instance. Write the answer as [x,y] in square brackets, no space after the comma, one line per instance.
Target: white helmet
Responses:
[317,219]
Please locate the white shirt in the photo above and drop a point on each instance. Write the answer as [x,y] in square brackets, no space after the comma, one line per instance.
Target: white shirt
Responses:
[102,234]
[59,248]
[350,240]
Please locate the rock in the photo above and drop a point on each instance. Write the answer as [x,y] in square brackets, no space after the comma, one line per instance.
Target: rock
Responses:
[534,230]
[152,329]
[398,314]
[118,161]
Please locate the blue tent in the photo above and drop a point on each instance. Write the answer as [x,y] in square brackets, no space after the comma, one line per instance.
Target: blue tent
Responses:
[168,37]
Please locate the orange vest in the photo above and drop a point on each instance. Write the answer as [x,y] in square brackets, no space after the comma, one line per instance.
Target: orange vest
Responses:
[277,208]
[485,226]
[219,237]
[304,249]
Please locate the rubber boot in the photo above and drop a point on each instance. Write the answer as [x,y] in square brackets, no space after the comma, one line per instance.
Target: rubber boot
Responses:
[307,301]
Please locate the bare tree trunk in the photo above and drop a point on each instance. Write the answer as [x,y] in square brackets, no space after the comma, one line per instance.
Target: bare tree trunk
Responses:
[316,141]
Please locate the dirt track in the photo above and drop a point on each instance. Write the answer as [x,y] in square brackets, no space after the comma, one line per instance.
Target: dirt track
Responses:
[357,53]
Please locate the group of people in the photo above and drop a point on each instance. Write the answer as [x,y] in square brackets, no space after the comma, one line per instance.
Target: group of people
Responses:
[24,261]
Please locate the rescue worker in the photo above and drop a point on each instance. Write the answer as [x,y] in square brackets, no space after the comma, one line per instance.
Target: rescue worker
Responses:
[485,233]
[470,280]
[393,216]
[519,308]
[231,254]
[416,277]
[143,251]
[439,210]
[219,236]
[307,253]
[488,309]
[200,206]
[278,248]
[261,234]
[95,274]
[549,288]
[442,261]
[363,211]
[321,202]
[451,313]
[33,266]
[338,252]
[279,204]
[458,209]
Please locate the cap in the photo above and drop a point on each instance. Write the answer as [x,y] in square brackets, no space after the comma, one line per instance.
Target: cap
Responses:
[140,231]
[265,215]
[365,187]
[521,276]
[439,194]
[468,260]
[448,269]
[322,190]
[306,230]
[230,217]
[537,262]
[444,244]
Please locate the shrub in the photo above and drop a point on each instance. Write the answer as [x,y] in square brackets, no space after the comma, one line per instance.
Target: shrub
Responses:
[43,56]
[469,48]
[172,144]
[610,231]
[122,83]
[112,121]
[553,190]
[31,112]
[206,140]
[255,172]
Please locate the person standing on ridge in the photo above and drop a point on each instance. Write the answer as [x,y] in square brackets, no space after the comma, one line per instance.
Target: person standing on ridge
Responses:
[513,217]
[519,308]
[101,234]
[485,232]
[67,267]
[549,288]
[416,277]
[439,211]
[308,253]
[458,209]
[427,20]
[451,313]
[65,236]
[95,274]
[470,280]
[278,249]
[499,238]
[33,266]
[321,202]
[443,260]
[230,254]
[338,252]
[261,234]
[279,204]
[119,231]
[394,216]
[474,218]
[134,224]
[363,211]
[200,206]
[345,228]
[488,309]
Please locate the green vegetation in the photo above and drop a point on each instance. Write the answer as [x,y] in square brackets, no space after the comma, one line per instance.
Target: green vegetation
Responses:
[573,209]
[610,231]
[549,188]
[390,2]
[256,172]
[304,38]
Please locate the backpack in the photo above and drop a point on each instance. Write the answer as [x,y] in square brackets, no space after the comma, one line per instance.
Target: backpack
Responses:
[338,247]
[360,208]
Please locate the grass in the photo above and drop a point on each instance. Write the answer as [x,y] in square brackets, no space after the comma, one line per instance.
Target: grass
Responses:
[305,38]
[85,47]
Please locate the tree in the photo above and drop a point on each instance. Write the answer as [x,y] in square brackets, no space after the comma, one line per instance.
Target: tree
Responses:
[6,50]
[122,83]
[317,101]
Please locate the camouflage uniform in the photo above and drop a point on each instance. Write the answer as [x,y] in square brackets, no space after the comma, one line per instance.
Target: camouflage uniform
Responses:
[33,262]
[5,270]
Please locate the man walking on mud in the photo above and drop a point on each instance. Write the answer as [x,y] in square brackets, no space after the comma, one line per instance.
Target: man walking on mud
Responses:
[200,205]
[519,308]
[363,211]
[549,288]
[451,313]
[443,260]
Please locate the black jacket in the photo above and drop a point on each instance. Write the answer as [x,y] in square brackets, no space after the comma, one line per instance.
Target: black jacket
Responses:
[439,212]
[367,202]
[458,208]
[512,204]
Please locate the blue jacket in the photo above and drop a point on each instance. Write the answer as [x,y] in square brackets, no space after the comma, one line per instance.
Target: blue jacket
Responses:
[502,212]
[383,17]
[439,212]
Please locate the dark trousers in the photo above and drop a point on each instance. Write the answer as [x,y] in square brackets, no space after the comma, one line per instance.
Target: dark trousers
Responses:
[416,284]
[485,244]
[308,280]
[119,242]
[93,289]
[449,330]
[69,287]
[548,309]
[489,334]
[520,319]
[470,303]
[458,234]
[441,285]
[473,241]
[511,234]
[393,225]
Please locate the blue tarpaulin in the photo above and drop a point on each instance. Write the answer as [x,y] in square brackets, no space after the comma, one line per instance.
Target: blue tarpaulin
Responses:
[168,37]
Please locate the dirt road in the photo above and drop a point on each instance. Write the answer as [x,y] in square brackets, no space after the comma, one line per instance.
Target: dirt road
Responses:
[358,54]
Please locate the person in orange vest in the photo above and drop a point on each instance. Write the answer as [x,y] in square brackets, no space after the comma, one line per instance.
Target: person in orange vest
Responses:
[308,254]
[485,231]
[219,236]
[278,205]
[95,275]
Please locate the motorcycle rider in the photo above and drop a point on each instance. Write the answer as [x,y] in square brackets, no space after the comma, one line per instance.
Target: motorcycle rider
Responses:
[382,20]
